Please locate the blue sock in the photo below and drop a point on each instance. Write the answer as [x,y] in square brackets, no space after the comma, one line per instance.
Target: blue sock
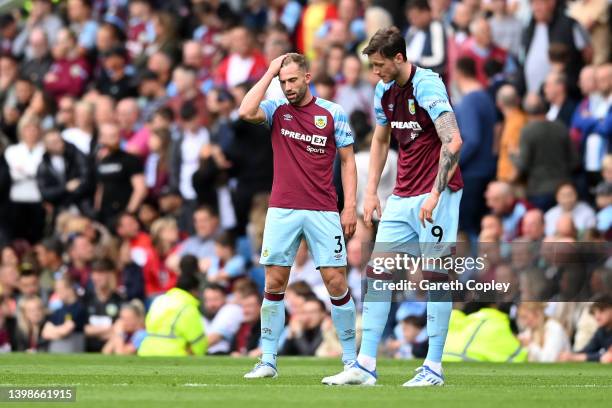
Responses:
[376,306]
[439,309]
[343,315]
[272,325]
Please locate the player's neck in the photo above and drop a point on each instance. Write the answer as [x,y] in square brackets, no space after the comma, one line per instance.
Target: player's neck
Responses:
[404,74]
[305,100]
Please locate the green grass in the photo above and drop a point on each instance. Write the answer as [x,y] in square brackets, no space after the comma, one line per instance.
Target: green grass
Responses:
[103,381]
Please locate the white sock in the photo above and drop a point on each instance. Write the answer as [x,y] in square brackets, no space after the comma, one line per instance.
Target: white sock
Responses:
[437,367]
[367,362]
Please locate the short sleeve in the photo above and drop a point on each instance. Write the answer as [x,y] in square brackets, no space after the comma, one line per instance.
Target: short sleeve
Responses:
[342,129]
[381,118]
[269,106]
[430,94]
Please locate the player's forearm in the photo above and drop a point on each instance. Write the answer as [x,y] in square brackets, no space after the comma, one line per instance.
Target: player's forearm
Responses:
[348,170]
[250,103]
[378,157]
[448,132]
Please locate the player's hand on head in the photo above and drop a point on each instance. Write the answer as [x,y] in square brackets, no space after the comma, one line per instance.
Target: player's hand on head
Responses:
[275,65]
[348,219]
[371,203]
[426,211]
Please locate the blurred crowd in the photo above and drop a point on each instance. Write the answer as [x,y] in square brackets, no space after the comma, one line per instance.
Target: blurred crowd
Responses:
[126,174]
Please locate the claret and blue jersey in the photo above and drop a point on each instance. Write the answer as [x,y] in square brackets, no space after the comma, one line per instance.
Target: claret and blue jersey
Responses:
[304,140]
[410,111]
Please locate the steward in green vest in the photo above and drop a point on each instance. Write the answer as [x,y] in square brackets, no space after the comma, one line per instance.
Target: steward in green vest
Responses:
[174,323]
[482,336]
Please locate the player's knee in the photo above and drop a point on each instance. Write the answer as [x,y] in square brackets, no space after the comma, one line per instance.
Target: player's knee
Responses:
[336,284]
[275,281]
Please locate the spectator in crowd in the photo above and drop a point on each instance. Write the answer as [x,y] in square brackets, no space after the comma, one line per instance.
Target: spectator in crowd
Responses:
[412,344]
[532,226]
[355,94]
[64,328]
[501,201]
[38,58]
[543,337]
[593,16]
[246,341]
[425,39]
[546,157]
[30,320]
[185,157]
[476,118]
[65,117]
[244,62]
[121,184]
[599,347]
[41,19]
[63,176]
[29,284]
[549,25]
[188,93]
[103,304]
[226,266]
[82,24]
[286,12]
[23,159]
[114,79]
[567,203]
[173,323]
[603,196]
[304,333]
[127,114]
[505,27]
[81,135]
[221,319]
[561,106]
[509,103]
[128,331]
[80,251]
[70,71]
[202,243]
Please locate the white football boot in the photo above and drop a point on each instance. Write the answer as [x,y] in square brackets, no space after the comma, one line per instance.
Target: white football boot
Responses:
[262,370]
[425,377]
[353,374]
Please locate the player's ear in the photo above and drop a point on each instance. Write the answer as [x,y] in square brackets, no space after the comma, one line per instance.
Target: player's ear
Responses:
[308,77]
[399,58]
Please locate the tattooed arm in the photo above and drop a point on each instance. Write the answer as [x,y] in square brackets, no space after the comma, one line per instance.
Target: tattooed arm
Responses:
[448,132]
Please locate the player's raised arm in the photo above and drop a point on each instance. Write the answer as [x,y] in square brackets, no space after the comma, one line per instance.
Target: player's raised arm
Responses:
[378,157]
[249,108]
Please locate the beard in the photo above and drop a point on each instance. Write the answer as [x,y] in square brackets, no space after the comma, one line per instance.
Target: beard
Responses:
[298,97]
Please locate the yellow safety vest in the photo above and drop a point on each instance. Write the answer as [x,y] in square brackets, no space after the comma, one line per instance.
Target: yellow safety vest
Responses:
[174,326]
[482,336]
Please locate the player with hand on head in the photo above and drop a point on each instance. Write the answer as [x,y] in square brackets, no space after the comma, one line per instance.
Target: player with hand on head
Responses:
[306,134]
[422,215]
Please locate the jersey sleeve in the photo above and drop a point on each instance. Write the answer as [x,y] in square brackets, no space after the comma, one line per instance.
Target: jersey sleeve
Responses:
[381,118]
[431,95]
[269,106]
[342,129]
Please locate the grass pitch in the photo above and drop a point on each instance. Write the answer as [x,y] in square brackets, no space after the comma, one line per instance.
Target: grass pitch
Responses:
[105,381]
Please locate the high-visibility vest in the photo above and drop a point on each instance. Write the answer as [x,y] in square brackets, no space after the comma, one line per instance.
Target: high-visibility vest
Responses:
[482,336]
[174,326]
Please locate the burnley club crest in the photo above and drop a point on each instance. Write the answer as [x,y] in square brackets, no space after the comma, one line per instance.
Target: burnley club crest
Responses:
[320,122]
[411,107]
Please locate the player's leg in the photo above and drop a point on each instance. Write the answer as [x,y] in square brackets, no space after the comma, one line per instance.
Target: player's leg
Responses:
[323,233]
[394,233]
[280,244]
[437,242]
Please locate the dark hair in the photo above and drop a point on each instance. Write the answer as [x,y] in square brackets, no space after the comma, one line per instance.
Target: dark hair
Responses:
[53,245]
[493,67]
[188,111]
[216,287]
[388,42]
[418,321]
[601,302]
[207,208]
[301,289]
[103,265]
[6,20]
[324,79]
[166,113]
[566,184]
[467,67]
[189,278]
[296,58]
[422,5]
[226,239]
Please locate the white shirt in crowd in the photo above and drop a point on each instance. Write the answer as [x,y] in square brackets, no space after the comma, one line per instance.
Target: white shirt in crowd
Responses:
[583,215]
[23,164]
[226,322]
[555,342]
[79,138]
[190,160]
[238,70]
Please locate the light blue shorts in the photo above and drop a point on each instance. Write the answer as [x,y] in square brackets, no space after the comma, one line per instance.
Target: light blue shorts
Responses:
[400,229]
[286,227]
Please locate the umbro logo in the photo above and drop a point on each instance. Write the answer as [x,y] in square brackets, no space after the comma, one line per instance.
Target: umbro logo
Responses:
[287,116]
[390,106]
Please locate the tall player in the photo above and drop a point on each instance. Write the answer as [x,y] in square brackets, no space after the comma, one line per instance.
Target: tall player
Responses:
[306,133]
[422,215]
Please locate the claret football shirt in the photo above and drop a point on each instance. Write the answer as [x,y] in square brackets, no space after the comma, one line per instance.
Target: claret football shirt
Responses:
[304,141]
